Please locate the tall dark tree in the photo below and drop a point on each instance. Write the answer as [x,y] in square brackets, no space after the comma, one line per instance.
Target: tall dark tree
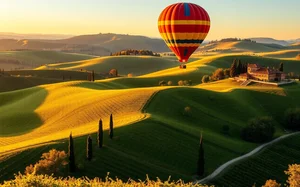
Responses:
[200,170]
[93,76]
[100,134]
[71,154]
[89,148]
[233,72]
[281,67]
[111,127]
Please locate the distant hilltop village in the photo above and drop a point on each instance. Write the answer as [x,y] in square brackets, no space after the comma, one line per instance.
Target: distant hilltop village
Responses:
[257,72]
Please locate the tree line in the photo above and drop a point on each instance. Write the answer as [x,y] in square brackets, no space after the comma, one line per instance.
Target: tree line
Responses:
[135,52]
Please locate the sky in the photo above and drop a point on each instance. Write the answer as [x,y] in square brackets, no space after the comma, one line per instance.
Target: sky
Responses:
[278,19]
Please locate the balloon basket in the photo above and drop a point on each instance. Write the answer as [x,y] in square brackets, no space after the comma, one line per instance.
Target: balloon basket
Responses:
[183,66]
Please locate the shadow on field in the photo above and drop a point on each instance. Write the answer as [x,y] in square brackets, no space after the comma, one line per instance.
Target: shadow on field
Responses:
[17,111]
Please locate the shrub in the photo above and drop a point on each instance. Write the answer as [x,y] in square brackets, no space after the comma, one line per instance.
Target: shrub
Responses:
[205,79]
[218,74]
[294,175]
[51,163]
[271,183]
[50,181]
[259,130]
[130,75]
[113,72]
[225,129]
[186,83]
[180,83]
[170,83]
[162,83]
[292,118]
[227,72]
[187,111]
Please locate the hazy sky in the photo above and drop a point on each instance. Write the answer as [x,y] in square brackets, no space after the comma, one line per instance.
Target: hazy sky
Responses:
[230,18]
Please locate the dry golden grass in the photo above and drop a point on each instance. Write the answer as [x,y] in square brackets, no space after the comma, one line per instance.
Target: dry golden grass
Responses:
[228,85]
[70,108]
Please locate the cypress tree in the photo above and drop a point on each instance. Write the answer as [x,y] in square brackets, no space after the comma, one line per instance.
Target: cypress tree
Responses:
[111,127]
[281,66]
[100,134]
[89,148]
[233,72]
[239,67]
[72,166]
[93,76]
[200,170]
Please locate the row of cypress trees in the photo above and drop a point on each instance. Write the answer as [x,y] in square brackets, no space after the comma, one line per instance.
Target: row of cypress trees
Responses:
[89,145]
[89,148]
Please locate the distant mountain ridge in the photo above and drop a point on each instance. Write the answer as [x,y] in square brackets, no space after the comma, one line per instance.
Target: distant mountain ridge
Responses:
[270,41]
[97,44]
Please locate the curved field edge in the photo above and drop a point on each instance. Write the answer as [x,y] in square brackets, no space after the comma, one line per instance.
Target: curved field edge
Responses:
[151,146]
[76,115]
[270,163]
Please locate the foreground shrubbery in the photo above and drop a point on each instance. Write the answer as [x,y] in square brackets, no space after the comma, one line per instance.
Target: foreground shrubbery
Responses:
[259,130]
[49,181]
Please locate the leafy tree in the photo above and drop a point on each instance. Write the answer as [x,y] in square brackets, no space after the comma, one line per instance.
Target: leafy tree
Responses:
[218,74]
[130,75]
[51,162]
[271,183]
[292,118]
[180,83]
[259,130]
[113,72]
[227,72]
[238,67]
[89,148]
[162,83]
[170,83]
[71,154]
[205,79]
[294,175]
[281,67]
[233,72]
[111,127]
[100,134]
[200,170]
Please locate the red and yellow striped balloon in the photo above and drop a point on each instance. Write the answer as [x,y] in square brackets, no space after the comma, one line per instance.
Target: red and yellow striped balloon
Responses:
[184,26]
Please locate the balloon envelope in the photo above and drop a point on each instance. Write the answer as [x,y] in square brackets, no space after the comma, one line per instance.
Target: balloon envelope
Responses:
[183,26]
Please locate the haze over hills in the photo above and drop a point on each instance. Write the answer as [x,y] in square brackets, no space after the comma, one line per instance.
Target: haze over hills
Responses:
[17,36]
[98,44]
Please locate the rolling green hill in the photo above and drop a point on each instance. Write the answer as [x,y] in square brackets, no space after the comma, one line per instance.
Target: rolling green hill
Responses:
[163,144]
[15,80]
[30,59]
[239,46]
[137,65]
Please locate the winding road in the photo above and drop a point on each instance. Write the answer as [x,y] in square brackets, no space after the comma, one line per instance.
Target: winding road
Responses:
[253,152]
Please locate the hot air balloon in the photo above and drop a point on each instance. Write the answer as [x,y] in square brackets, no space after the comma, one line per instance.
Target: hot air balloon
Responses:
[183,26]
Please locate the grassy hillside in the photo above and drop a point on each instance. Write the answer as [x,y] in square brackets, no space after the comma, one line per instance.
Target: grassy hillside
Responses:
[137,65]
[74,113]
[17,83]
[165,143]
[238,46]
[269,164]
[15,80]
[291,54]
[30,59]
